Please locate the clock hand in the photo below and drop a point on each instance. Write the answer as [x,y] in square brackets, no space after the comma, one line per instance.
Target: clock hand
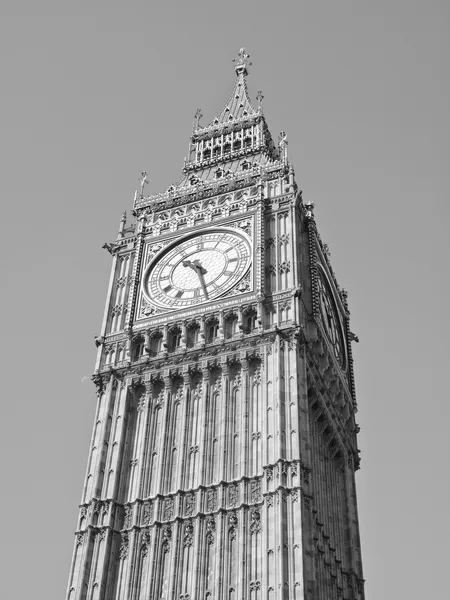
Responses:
[197,267]
[202,281]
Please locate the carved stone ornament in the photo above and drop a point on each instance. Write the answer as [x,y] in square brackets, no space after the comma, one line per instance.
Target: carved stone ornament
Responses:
[168,509]
[255,523]
[147,309]
[167,536]
[210,530]
[256,491]
[123,551]
[212,500]
[188,538]
[147,513]
[189,506]
[233,495]
[146,537]
[80,538]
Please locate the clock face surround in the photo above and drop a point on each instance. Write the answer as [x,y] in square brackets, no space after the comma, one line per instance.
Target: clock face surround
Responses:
[197,268]
[330,319]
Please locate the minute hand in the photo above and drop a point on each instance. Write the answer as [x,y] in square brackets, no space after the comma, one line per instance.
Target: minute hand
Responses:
[197,267]
[200,272]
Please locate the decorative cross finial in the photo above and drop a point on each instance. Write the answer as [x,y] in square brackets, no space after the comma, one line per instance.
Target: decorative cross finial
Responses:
[198,115]
[260,98]
[282,145]
[242,62]
[143,179]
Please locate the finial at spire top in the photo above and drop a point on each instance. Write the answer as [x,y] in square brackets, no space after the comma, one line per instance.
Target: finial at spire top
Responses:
[143,179]
[198,115]
[242,62]
[260,98]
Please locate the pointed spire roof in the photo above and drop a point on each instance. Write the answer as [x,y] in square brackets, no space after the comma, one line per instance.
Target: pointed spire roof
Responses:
[238,106]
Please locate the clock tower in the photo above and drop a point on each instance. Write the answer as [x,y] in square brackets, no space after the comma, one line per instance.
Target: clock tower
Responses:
[223,456]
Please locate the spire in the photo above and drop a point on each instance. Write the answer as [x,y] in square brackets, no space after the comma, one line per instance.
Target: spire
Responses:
[236,140]
[239,106]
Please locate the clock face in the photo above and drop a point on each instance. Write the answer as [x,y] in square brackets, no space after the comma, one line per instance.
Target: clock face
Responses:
[197,268]
[331,321]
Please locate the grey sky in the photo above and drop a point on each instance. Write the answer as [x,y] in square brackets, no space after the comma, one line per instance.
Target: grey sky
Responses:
[95,92]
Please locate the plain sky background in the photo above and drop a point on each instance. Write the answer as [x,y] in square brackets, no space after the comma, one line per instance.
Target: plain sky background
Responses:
[95,92]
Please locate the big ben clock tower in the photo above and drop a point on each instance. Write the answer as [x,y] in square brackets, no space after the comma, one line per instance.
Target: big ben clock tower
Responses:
[223,455]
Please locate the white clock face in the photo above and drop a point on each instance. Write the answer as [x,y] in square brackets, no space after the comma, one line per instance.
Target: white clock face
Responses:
[198,268]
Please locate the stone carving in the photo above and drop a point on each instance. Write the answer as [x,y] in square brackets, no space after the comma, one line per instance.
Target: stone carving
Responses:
[168,509]
[306,473]
[102,534]
[145,541]
[188,538]
[123,551]
[237,379]
[141,404]
[127,517]
[256,378]
[255,524]
[147,309]
[212,500]
[269,473]
[232,525]
[197,391]
[189,506]
[285,267]
[256,491]
[294,495]
[233,495]
[148,513]
[210,529]
[255,586]
[167,536]
[269,499]
[80,538]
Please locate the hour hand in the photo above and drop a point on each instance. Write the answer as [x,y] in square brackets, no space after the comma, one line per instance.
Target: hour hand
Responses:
[195,265]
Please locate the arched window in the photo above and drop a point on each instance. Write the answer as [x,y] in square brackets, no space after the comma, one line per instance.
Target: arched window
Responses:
[227,148]
[212,330]
[174,339]
[138,348]
[249,321]
[155,343]
[237,144]
[193,334]
[231,325]
[248,142]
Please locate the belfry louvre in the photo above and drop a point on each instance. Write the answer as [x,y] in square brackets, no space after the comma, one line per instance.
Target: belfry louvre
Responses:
[223,455]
